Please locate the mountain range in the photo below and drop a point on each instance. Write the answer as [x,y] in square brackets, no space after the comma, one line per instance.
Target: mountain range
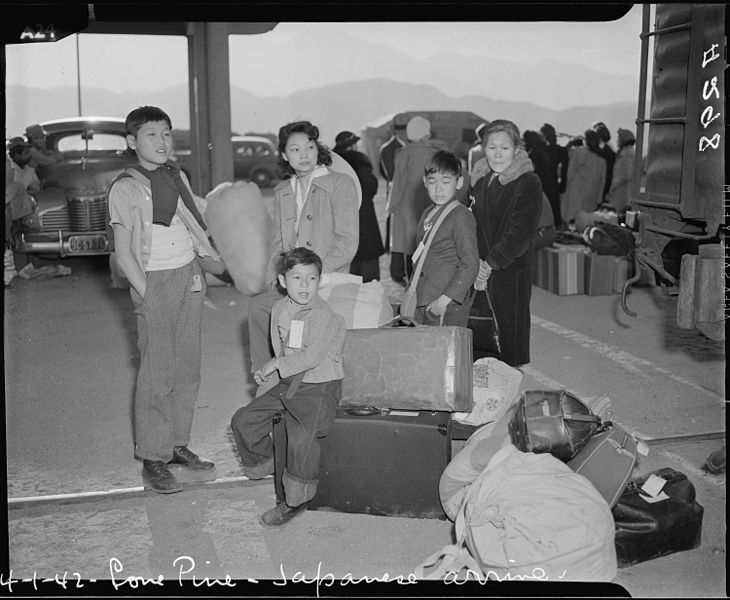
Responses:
[347,105]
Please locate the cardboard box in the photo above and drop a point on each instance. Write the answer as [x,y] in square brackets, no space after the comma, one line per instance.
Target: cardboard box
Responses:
[560,269]
[600,271]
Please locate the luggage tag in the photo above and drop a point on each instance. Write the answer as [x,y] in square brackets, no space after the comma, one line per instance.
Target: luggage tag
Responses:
[296,334]
[652,489]
[197,284]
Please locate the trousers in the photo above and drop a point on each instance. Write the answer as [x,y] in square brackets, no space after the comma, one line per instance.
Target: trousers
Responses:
[308,416]
[169,329]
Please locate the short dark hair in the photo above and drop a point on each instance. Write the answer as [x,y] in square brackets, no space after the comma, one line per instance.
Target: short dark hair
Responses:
[444,161]
[299,256]
[305,127]
[145,114]
[593,140]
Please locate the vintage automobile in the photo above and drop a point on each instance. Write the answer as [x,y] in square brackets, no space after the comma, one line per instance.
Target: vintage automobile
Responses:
[72,203]
[254,159]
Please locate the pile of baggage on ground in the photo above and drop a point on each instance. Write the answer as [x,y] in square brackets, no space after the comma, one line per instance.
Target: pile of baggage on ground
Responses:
[542,487]
[597,259]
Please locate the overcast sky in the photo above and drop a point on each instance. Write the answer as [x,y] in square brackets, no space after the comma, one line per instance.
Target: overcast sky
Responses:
[122,62]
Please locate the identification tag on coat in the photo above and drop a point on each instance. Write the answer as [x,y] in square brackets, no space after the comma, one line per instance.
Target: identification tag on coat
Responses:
[296,334]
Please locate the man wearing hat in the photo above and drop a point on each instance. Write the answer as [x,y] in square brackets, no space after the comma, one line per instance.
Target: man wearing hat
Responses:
[19,151]
[370,247]
[619,196]
[39,155]
[606,152]
[409,197]
[20,178]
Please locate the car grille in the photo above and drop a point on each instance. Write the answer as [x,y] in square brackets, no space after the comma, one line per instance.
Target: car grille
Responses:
[88,212]
[83,212]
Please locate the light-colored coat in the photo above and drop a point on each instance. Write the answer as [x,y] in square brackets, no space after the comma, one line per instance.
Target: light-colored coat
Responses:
[586,178]
[329,222]
[408,196]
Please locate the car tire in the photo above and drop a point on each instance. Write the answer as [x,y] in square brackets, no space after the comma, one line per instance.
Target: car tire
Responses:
[261,177]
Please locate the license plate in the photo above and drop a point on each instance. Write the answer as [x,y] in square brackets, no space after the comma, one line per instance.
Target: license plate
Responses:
[87,243]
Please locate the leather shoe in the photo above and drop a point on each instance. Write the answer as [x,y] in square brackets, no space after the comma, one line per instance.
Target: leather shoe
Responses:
[181,455]
[281,514]
[159,478]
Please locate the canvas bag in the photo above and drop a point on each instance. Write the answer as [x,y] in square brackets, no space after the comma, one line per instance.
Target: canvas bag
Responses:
[362,305]
[409,301]
[528,516]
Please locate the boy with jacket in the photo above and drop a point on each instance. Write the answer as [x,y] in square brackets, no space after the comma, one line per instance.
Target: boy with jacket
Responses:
[159,238]
[303,381]
[452,262]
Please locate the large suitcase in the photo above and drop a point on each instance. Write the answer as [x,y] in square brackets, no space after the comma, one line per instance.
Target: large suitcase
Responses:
[607,461]
[411,368]
[378,462]
[646,530]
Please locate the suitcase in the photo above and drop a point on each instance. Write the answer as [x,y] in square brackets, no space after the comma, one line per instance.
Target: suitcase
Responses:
[411,368]
[378,462]
[607,461]
[649,530]
[552,421]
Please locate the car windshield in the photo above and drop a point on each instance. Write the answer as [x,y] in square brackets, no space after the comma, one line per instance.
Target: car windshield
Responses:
[97,142]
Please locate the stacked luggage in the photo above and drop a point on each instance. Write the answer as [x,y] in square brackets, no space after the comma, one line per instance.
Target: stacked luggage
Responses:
[389,453]
[391,439]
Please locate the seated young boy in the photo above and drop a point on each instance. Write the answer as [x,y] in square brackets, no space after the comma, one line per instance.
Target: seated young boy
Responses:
[452,262]
[303,381]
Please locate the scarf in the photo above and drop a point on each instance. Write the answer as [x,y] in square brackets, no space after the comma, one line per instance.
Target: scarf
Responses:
[167,185]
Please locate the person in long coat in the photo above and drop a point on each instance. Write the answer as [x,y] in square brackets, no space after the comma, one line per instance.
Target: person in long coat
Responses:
[586,177]
[370,246]
[557,169]
[408,197]
[619,196]
[507,202]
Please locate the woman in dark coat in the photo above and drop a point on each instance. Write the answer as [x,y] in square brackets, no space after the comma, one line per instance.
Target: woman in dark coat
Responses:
[370,248]
[507,202]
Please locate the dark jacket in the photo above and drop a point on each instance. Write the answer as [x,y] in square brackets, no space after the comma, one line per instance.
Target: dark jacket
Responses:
[609,156]
[507,211]
[557,178]
[371,242]
[452,262]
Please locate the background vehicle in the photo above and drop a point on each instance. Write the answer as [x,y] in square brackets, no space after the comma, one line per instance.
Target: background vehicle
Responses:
[677,196]
[254,158]
[72,204]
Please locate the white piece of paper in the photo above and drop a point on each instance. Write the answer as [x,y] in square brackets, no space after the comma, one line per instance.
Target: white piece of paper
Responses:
[653,485]
[296,334]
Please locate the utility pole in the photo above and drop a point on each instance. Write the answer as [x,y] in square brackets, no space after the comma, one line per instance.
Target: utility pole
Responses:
[78,75]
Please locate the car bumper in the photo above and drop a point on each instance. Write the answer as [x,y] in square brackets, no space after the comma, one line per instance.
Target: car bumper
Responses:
[62,244]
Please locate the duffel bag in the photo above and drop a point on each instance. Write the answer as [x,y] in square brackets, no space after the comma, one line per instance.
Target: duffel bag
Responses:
[528,515]
[651,526]
[553,421]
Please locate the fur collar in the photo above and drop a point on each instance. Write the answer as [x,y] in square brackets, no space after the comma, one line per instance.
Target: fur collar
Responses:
[520,165]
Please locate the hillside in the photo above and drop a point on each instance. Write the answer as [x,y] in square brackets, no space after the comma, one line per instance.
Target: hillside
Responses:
[346,105]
